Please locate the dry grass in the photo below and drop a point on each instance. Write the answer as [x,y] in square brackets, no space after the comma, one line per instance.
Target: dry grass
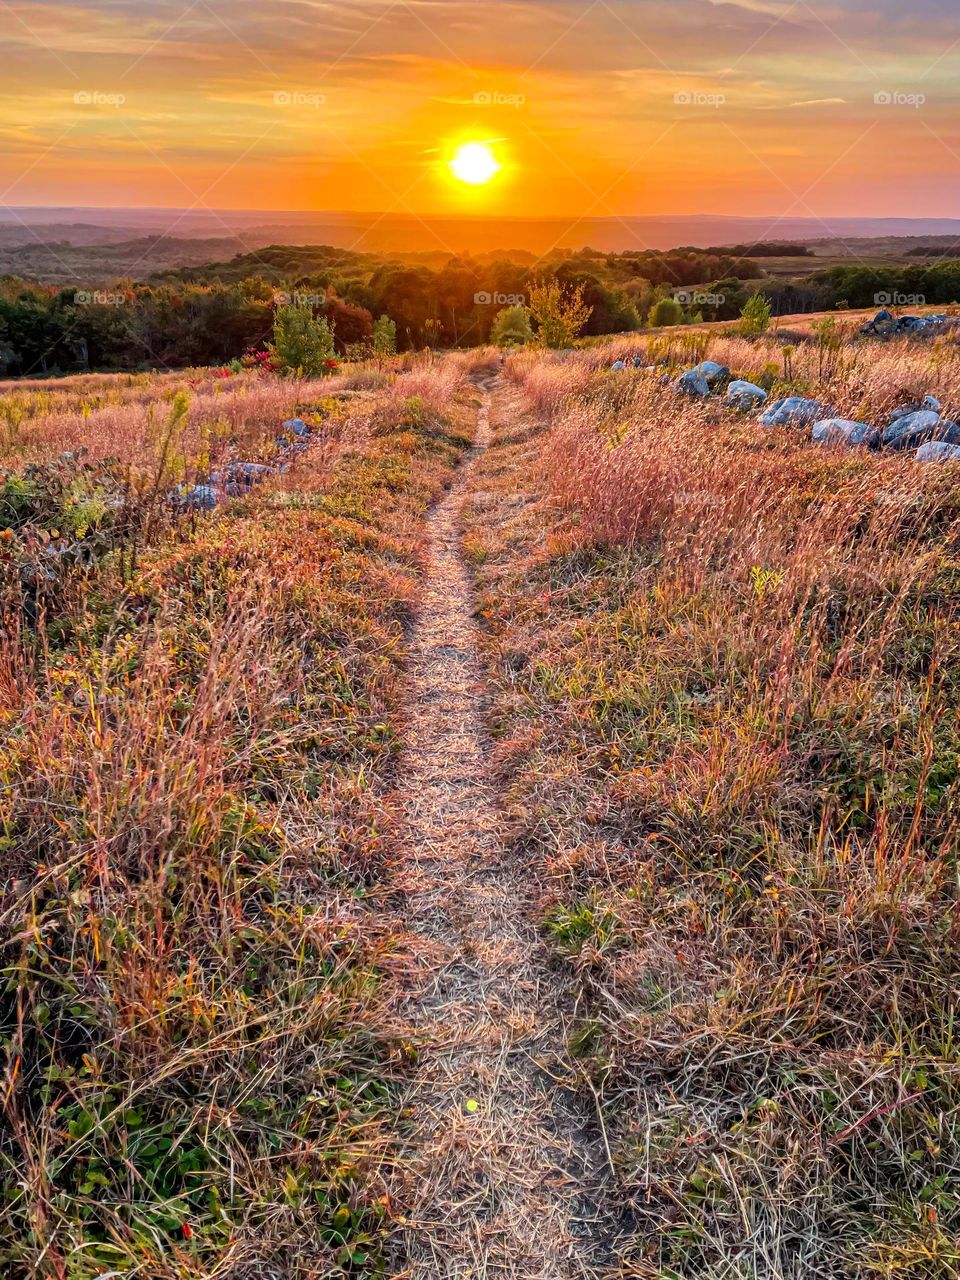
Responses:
[126,421]
[726,740]
[729,742]
[197,753]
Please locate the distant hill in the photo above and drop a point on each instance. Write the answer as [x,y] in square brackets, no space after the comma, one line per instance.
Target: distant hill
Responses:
[64,261]
[452,235]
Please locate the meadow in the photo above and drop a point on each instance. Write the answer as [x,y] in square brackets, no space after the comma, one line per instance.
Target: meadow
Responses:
[719,690]
[200,722]
[728,740]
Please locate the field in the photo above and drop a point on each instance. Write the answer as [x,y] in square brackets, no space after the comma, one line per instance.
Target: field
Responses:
[520,838]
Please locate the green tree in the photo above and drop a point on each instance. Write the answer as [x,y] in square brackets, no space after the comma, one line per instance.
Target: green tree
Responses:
[755,316]
[385,336]
[302,342]
[666,311]
[511,327]
[559,313]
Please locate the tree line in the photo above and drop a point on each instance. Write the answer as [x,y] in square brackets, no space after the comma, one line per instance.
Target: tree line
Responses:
[215,314]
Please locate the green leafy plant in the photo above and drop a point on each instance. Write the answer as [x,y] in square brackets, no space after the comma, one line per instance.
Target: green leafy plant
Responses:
[511,327]
[384,336]
[666,311]
[755,316]
[302,343]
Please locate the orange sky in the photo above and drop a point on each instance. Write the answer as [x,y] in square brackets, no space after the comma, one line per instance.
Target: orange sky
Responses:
[652,106]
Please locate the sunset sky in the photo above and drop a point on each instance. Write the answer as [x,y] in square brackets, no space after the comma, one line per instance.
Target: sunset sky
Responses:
[646,107]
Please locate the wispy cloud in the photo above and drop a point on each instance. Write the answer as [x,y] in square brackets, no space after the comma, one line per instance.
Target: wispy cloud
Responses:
[698,86]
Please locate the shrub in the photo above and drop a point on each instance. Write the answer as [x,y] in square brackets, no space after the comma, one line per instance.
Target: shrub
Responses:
[666,311]
[385,336]
[511,327]
[755,316]
[302,343]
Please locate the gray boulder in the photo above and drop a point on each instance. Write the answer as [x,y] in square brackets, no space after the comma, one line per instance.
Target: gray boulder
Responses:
[917,428]
[928,402]
[844,431]
[794,411]
[297,426]
[692,384]
[745,395]
[238,478]
[938,451]
[201,497]
[711,372]
[882,322]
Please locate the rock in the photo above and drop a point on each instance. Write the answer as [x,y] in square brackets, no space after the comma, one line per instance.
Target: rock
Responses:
[794,411]
[912,429]
[928,402]
[201,497]
[618,365]
[711,372]
[844,431]
[251,472]
[882,322]
[692,384]
[297,426]
[938,451]
[238,478]
[745,395]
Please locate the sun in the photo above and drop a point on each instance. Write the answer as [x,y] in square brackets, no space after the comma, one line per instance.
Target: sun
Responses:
[474,163]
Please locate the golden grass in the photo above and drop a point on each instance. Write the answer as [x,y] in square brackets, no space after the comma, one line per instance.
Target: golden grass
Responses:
[729,741]
[195,766]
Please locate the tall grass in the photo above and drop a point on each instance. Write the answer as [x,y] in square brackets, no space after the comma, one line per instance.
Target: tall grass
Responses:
[195,771]
[730,739]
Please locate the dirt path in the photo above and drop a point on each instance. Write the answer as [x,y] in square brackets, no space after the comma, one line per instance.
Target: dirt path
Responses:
[500,1162]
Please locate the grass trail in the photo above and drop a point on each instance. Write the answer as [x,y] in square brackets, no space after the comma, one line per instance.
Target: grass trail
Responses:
[496,1178]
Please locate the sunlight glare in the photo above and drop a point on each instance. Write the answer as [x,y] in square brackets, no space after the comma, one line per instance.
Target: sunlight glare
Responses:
[474,163]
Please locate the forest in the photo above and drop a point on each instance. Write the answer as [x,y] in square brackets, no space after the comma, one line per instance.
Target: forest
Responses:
[219,312]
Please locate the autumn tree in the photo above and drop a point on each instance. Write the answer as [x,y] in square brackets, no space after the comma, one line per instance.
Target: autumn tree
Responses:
[559,313]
